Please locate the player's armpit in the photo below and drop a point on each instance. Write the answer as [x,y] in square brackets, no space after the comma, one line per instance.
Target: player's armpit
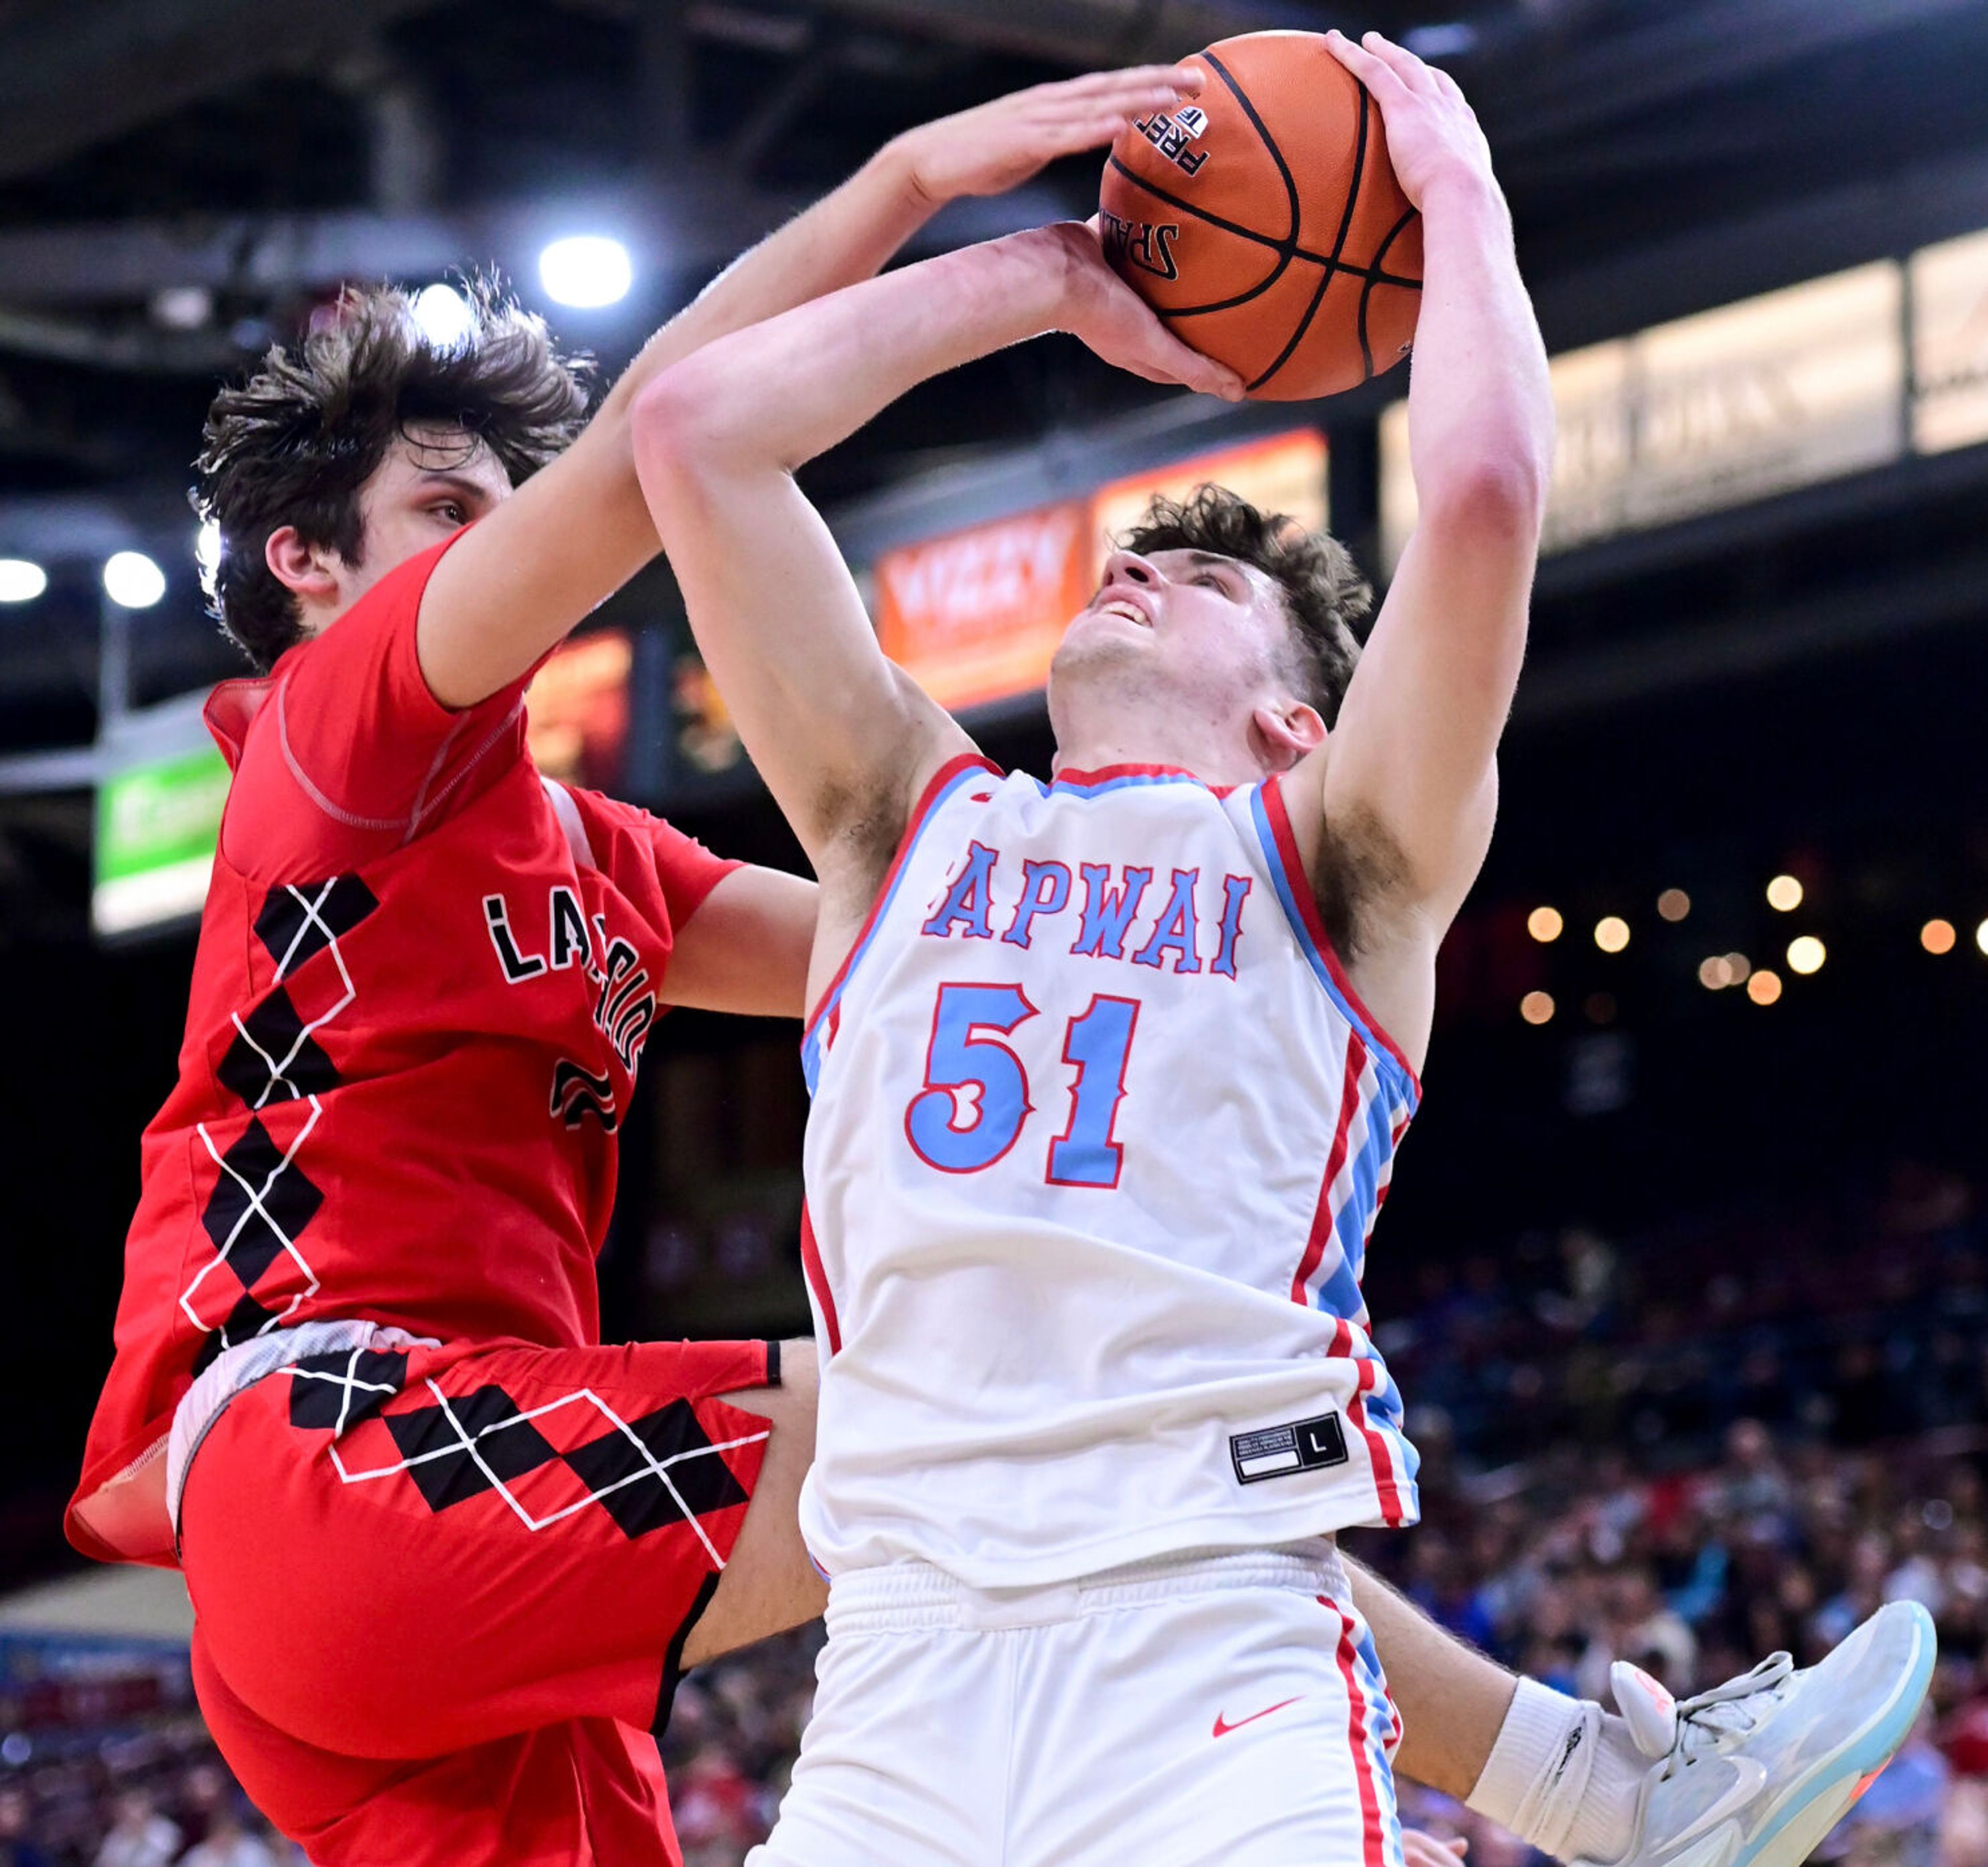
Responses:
[745,947]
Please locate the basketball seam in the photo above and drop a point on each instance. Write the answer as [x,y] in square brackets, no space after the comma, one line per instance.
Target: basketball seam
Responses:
[1338,246]
[1286,248]
[1285,255]
[1292,206]
[1259,239]
[1366,291]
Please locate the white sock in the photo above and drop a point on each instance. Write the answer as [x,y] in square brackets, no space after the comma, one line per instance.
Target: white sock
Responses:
[1565,1776]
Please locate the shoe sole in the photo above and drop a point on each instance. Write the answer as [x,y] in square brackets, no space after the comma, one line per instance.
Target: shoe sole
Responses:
[1799,1828]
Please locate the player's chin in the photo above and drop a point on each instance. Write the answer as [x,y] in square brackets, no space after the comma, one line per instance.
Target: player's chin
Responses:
[1104,667]
[1103,632]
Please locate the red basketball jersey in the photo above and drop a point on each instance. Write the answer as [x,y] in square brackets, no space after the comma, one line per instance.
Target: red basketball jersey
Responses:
[424,980]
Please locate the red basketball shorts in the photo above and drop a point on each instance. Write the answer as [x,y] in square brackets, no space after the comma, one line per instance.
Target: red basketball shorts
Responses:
[441,1594]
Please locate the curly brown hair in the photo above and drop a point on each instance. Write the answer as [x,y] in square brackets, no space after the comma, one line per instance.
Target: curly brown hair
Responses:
[1325,596]
[294,443]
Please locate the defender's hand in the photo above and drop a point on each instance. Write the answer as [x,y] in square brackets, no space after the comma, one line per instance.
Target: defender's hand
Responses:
[1421,1850]
[1433,133]
[1097,307]
[999,145]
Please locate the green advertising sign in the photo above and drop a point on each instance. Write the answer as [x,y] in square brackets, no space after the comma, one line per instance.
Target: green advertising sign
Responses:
[158,824]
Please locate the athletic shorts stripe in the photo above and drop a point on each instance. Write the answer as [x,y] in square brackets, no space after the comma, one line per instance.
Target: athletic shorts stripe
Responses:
[1373,1852]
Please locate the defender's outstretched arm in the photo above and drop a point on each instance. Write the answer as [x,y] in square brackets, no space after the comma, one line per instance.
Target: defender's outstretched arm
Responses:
[842,738]
[577,531]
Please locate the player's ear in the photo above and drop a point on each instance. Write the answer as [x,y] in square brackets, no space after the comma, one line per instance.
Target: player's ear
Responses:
[303,569]
[1281,732]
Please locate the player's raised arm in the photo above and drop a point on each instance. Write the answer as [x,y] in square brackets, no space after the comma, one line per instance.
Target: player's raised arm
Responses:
[577,531]
[842,737]
[1409,773]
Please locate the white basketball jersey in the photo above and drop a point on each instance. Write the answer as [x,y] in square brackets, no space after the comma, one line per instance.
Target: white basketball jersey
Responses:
[1099,1133]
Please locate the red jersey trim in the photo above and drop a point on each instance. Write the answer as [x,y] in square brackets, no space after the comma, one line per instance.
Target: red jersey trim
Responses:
[1320,1234]
[817,1282]
[1387,1487]
[1103,777]
[1373,1851]
[1272,795]
[1098,775]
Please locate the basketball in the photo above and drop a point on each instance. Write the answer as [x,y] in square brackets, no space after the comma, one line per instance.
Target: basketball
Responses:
[1264,222]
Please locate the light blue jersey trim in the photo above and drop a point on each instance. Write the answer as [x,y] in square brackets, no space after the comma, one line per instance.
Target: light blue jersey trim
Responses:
[1393,1079]
[1088,786]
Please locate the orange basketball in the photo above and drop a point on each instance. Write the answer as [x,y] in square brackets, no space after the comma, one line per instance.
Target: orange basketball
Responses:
[1264,222]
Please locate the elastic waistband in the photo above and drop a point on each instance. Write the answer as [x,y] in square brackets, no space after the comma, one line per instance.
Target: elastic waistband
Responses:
[234,1370]
[902,1597]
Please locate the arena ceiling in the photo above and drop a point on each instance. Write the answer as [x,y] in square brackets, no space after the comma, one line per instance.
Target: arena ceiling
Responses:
[179,178]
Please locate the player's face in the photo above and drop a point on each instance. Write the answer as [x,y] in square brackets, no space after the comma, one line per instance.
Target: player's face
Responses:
[1186,636]
[434,481]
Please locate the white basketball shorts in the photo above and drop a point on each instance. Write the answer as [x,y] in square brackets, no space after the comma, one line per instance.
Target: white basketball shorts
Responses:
[1213,1711]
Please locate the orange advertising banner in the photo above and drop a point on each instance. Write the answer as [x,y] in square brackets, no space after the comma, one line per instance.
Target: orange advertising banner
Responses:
[576,709]
[1285,473]
[976,616]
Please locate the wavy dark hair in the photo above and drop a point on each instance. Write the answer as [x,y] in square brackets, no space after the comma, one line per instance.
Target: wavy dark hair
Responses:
[294,443]
[1325,596]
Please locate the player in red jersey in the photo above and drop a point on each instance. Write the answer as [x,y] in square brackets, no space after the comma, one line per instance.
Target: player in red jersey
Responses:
[447,1551]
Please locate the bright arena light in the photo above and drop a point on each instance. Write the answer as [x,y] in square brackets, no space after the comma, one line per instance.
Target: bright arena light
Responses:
[132,581]
[1764,987]
[1611,934]
[1785,893]
[206,548]
[444,316]
[586,271]
[21,580]
[1544,924]
[1806,953]
[1536,1007]
[1937,936]
[1673,904]
[1981,937]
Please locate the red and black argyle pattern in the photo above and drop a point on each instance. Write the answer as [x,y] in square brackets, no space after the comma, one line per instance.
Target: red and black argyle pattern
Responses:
[547,1462]
[263,1200]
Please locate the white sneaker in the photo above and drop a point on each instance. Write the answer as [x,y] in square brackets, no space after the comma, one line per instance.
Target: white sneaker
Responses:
[1754,1773]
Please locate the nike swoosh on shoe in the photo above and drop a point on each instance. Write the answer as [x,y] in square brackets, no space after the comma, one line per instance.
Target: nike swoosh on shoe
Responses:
[1751,1778]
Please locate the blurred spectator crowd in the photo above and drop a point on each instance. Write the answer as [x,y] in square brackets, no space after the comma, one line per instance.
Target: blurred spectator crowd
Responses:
[156,1795]
[1735,1436]
[1687,1450]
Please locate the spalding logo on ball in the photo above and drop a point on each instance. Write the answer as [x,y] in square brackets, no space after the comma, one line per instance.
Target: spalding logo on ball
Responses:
[1263,221]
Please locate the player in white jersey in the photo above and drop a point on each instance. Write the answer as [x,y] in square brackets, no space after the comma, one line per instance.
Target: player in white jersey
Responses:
[1109,1074]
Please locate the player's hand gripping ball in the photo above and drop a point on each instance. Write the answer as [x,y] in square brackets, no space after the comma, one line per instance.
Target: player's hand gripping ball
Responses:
[1263,223]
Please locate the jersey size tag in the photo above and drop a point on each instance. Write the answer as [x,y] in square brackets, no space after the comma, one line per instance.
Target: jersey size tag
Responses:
[1273,1452]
